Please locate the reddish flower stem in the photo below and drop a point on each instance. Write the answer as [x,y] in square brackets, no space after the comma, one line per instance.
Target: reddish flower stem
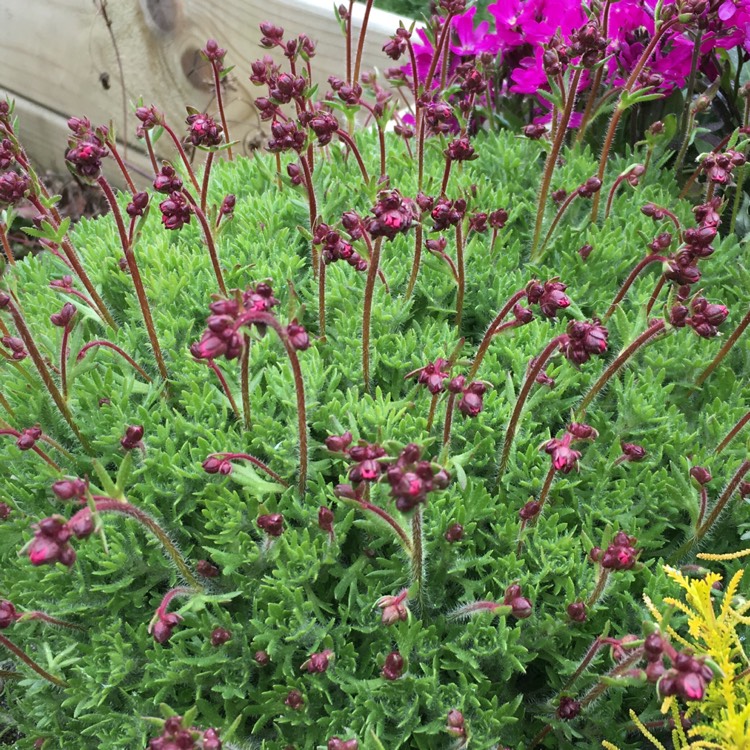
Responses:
[629,281]
[313,209]
[31,663]
[346,138]
[446,174]
[601,582]
[655,294]
[255,462]
[322,299]
[732,433]
[702,505]
[220,105]
[16,434]
[417,556]
[448,420]
[36,615]
[461,268]
[206,178]
[209,240]
[75,264]
[64,361]
[224,386]
[150,149]
[728,344]
[136,276]
[492,329]
[348,33]
[109,505]
[431,415]
[109,345]
[269,320]
[560,212]
[245,381]
[523,394]
[549,165]
[45,375]
[372,272]
[112,146]
[361,41]
[388,518]
[183,156]
[655,329]
[6,245]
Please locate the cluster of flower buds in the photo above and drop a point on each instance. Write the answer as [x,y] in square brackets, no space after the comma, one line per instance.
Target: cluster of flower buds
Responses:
[564,458]
[28,438]
[520,606]
[14,187]
[217,464]
[336,743]
[51,542]
[460,149]
[220,636]
[161,629]
[394,608]
[318,662]
[412,479]
[549,296]
[86,149]
[398,43]
[392,214]
[620,555]
[133,437]
[325,521]
[582,340]
[687,677]
[438,115]
[455,725]
[367,467]
[207,569]
[592,186]
[175,211]
[175,736]
[335,248]
[203,130]
[432,375]
[577,611]
[719,167]
[16,347]
[446,213]
[568,708]
[294,700]
[471,402]
[705,317]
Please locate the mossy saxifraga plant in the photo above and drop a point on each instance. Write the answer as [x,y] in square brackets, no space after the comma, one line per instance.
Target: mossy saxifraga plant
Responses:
[233,513]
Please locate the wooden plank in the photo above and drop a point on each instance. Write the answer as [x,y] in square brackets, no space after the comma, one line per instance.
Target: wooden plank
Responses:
[58,59]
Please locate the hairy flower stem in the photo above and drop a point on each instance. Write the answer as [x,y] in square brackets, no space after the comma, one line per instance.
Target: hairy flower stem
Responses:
[620,107]
[348,34]
[172,594]
[6,245]
[313,210]
[64,352]
[738,194]
[728,344]
[640,266]
[549,165]
[543,495]
[210,244]
[492,330]
[732,433]
[206,178]
[705,527]
[220,105]
[439,50]
[448,422]
[245,382]
[183,156]
[255,462]
[43,617]
[560,213]
[112,146]
[16,434]
[269,320]
[461,268]
[523,394]
[346,138]
[417,556]
[655,294]
[703,504]
[76,266]
[110,505]
[45,375]
[30,662]
[361,41]
[614,367]
[372,272]
[388,518]
[322,299]
[135,275]
[687,119]
[225,387]
[601,582]
[109,345]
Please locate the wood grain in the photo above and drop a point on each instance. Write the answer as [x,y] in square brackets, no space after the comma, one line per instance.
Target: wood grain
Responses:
[54,53]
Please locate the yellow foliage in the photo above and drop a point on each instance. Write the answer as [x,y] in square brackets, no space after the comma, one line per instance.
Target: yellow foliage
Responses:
[722,719]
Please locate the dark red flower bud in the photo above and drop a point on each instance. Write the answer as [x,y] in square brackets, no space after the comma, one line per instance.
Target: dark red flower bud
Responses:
[271,523]
[63,318]
[13,188]
[339,443]
[582,431]
[219,636]
[700,474]
[534,131]
[137,207]
[132,438]
[393,667]
[318,663]
[455,723]
[211,739]
[568,708]
[82,524]
[28,438]
[5,511]
[325,519]
[262,659]
[298,337]
[207,569]
[632,452]
[576,611]
[8,614]
[454,533]
[294,700]
[530,510]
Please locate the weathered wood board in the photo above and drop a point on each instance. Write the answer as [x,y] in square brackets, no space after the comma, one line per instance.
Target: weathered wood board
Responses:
[58,59]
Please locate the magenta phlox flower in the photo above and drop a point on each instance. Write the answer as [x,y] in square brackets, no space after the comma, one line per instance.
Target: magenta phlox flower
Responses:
[473,40]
